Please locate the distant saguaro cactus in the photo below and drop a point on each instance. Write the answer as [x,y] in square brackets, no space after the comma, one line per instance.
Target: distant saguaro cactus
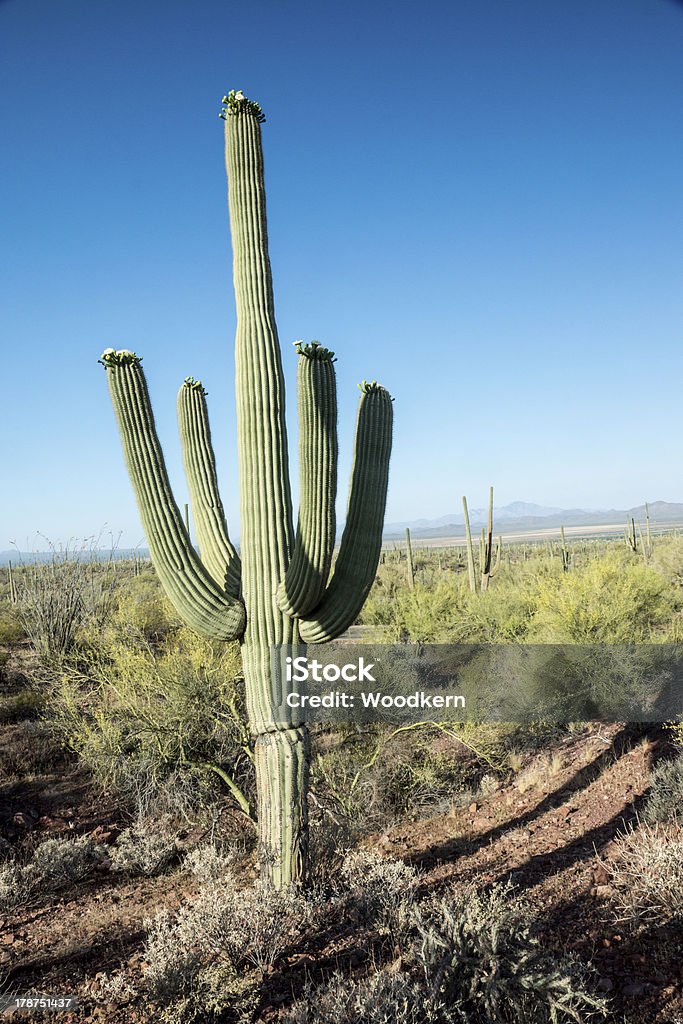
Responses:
[486,548]
[278,590]
[566,554]
[486,570]
[409,559]
[12,585]
[631,535]
[471,571]
[647,544]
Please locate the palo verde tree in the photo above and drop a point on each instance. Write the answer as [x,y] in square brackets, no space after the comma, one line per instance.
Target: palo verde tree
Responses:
[277,590]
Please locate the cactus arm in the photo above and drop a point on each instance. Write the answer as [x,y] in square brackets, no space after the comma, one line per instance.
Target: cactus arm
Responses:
[309,569]
[217,552]
[195,596]
[361,542]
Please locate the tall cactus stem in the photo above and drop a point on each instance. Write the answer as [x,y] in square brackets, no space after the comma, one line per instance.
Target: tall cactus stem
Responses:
[471,571]
[643,546]
[648,533]
[499,555]
[631,535]
[487,547]
[12,584]
[566,556]
[409,559]
[267,530]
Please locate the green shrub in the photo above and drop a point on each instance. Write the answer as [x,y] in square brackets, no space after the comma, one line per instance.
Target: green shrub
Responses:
[369,778]
[147,848]
[382,892]
[142,606]
[667,559]
[675,731]
[154,722]
[55,864]
[647,877]
[236,929]
[613,600]
[422,615]
[609,596]
[60,598]
[383,998]
[503,613]
[481,963]
[470,958]
[17,707]
[11,627]
[665,799]
[443,610]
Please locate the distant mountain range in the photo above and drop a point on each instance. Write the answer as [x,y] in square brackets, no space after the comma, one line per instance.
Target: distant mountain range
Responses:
[520,516]
[517,517]
[87,555]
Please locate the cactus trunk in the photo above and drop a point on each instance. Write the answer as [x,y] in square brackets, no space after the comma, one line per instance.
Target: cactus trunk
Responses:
[266,508]
[281,760]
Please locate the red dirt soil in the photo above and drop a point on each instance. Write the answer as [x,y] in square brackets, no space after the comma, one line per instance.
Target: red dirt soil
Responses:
[553,837]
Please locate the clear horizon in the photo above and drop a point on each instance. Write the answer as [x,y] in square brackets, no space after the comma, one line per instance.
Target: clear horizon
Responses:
[480,207]
[107,540]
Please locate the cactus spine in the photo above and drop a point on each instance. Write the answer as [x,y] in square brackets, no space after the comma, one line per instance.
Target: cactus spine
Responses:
[279,591]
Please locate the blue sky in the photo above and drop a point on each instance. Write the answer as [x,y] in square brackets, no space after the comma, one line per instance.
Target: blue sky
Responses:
[478,204]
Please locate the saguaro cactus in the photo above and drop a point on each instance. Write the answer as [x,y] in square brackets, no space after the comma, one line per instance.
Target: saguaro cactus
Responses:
[277,590]
[471,571]
[486,549]
[566,554]
[487,572]
[409,559]
[631,535]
